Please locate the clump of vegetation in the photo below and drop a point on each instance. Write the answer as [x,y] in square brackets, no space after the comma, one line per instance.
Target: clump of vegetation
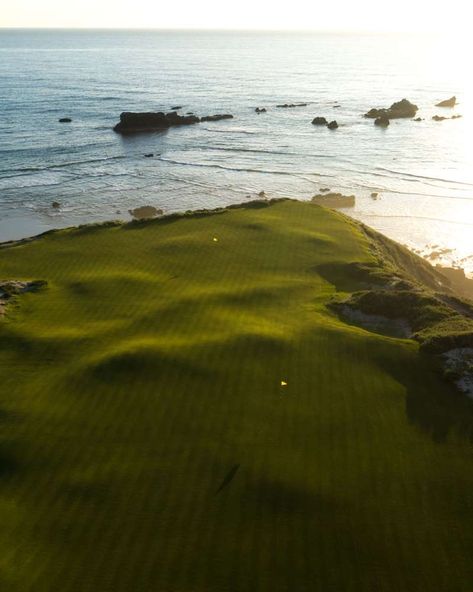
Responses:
[435,325]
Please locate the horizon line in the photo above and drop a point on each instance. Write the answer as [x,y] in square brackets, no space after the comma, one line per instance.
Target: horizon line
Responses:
[224,30]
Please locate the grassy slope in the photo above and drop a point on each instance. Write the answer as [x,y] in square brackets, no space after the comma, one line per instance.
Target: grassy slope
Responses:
[153,364]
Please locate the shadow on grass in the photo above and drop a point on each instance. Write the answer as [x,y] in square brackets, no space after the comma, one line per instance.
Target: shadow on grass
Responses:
[351,277]
[283,497]
[8,465]
[144,364]
[432,404]
[8,460]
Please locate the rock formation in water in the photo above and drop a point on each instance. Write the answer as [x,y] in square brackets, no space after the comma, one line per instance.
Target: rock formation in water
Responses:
[398,110]
[144,212]
[442,118]
[451,102]
[382,121]
[217,117]
[334,200]
[319,121]
[138,122]
[148,122]
[291,105]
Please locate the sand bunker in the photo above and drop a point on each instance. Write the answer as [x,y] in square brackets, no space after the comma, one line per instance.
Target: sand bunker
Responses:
[11,288]
[376,323]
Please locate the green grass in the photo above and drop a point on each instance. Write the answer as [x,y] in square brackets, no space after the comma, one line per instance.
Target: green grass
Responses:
[146,441]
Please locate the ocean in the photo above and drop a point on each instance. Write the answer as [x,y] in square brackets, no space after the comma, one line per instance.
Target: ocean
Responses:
[422,171]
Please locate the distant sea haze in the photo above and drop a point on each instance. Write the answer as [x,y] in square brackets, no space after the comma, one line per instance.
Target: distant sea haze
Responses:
[422,171]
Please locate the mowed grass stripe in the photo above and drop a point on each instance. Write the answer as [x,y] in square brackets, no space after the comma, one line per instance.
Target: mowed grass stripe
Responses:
[153,364]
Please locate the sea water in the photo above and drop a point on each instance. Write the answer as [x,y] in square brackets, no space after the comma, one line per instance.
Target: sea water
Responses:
[422,171]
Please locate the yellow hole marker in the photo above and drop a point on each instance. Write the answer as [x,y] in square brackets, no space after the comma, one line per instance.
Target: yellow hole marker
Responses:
[215,239]
[283,383]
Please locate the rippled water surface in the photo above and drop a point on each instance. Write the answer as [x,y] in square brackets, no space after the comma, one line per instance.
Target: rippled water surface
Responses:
[423,171]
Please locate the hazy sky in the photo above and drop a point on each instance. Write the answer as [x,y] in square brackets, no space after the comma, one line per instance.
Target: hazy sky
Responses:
[346,15]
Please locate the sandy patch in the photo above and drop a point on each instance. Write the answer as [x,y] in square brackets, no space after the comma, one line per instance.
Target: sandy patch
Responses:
[377,323]
[11,288]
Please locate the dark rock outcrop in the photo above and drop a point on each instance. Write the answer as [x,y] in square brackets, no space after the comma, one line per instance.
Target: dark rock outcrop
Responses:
[149,155]
[217,117]
[291,105]
[56,205]
[451,102]
[260,110]
[65,120]
[399,110]
[148,122]
[332,125]
[442,118]
[145,212]
[334,200]
[382,121]
[319,121]
[176,108]
[174,118]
